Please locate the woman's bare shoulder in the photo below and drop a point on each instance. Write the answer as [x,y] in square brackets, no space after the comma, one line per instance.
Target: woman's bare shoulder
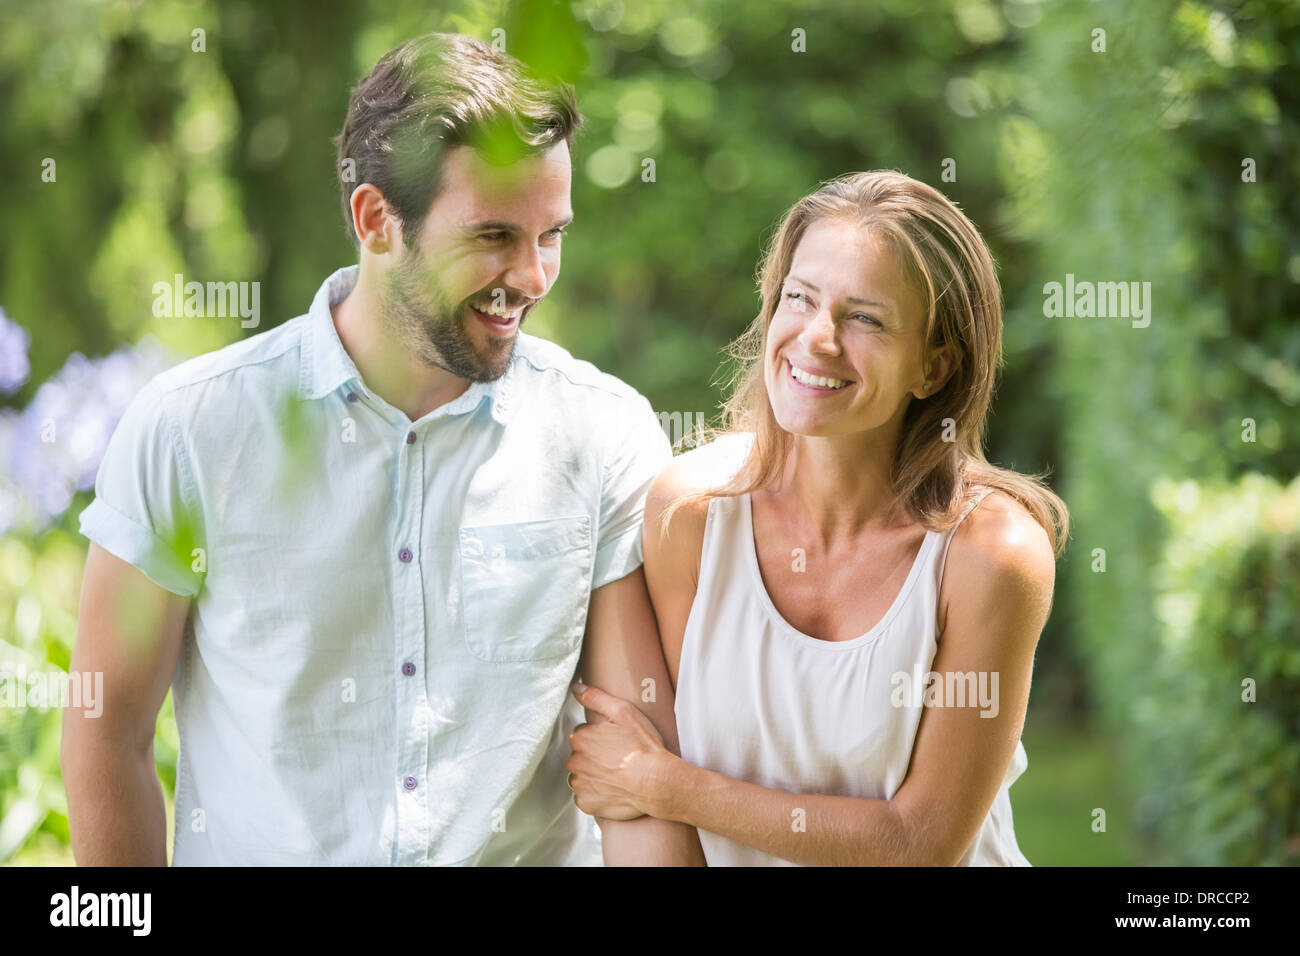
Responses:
[999,551]
[1002,533]
[697,472]
[684,488]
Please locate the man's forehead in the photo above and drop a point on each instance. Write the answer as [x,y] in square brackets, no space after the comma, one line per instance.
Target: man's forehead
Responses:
[476,188]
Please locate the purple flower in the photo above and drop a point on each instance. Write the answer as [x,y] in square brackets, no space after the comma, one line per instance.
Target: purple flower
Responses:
[53,447]
[14,342]
[14,507]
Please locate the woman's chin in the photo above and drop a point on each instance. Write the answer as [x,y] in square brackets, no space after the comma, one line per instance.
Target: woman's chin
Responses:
[804,424]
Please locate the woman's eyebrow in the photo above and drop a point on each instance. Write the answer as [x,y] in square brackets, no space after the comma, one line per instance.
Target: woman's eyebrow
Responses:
[853,300]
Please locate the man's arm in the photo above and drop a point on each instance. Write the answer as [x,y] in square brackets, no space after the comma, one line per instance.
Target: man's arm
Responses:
[129,629]
[621,654]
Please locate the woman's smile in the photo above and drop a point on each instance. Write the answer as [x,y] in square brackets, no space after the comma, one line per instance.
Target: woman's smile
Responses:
[809,382]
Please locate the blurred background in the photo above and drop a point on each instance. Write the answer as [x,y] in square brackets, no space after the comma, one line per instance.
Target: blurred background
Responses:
[1112,141]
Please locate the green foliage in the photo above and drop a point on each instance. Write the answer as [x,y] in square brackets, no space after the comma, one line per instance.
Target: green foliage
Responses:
[1127,165]
[39,583]
[38,587]
[1218,705]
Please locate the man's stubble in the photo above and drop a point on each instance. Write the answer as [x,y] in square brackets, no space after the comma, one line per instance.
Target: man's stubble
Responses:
[422,319]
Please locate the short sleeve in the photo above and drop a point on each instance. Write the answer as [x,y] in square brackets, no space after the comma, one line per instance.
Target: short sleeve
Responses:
[637,451]
[141,512]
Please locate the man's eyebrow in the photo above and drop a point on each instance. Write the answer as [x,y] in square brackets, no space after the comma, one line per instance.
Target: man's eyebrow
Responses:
[490,225]
[494,225]
[852,300]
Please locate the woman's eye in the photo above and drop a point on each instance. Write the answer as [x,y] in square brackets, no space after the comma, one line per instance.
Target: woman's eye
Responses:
[866,318]
[493,236]
[798,297]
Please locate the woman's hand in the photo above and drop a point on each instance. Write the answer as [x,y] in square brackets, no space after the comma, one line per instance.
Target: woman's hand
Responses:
[619,764]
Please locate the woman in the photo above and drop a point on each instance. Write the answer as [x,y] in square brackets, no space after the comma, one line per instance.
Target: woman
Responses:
[797,565]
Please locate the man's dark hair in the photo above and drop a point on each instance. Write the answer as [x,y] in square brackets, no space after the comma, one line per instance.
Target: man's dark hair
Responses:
[434,92]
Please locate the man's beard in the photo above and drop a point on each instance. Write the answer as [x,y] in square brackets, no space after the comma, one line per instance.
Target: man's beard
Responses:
[427,323]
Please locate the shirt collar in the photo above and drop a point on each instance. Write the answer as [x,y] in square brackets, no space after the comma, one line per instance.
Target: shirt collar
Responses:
[327,367]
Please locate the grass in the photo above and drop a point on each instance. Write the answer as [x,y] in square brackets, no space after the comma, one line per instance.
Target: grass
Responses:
[1072,771]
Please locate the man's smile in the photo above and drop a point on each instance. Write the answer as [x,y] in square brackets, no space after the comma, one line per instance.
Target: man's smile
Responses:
[499,321]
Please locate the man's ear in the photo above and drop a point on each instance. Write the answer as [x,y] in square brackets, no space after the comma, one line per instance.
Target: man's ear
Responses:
[373,220]
[942,363]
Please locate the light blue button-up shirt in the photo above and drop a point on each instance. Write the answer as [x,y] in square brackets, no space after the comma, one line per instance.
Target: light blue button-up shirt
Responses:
[388,615]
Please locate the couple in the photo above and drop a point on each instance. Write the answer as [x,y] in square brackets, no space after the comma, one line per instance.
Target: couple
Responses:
[387,553]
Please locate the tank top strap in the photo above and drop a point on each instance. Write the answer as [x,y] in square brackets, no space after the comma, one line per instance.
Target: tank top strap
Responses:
[719,525]
[941,559]
[982,492]
[722,531]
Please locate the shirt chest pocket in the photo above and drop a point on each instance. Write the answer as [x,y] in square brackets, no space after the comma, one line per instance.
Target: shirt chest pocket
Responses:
[525,587]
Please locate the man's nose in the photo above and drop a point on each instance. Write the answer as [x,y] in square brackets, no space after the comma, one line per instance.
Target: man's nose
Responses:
[527,272]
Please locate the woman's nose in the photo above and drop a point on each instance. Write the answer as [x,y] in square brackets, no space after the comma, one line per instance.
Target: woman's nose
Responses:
[819,333]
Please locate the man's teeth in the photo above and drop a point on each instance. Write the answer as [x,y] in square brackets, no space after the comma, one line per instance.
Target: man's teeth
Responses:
[509,314]
[816,381]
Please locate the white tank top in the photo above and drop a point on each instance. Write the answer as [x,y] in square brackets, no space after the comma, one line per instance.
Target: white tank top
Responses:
[758,700]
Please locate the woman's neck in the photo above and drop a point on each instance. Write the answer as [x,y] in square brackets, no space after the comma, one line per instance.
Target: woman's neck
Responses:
[841,486]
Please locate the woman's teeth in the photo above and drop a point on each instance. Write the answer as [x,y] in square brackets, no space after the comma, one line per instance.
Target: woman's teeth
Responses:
[814,381]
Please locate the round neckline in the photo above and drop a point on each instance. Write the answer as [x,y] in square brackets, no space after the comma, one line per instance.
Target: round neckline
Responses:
[862,639]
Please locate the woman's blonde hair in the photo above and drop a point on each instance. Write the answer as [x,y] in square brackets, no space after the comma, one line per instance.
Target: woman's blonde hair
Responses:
[952,270]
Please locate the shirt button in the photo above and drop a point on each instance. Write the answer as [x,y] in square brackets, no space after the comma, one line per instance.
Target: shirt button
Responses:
[404,555]
[408,669]
[352,396]
[409,783]
[410,438]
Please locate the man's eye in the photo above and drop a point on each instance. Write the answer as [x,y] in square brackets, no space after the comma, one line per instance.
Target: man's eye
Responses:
[492,236]
[556,234]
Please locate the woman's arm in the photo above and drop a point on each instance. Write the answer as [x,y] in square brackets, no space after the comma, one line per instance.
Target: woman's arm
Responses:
[621,652]
[672,561]
[1001,572]
[671,598]
[670,575]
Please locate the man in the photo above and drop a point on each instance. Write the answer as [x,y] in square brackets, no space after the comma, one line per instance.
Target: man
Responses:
[372,548]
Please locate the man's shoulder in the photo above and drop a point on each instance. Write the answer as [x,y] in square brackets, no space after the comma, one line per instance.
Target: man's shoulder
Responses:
[544,363]
[224,365]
